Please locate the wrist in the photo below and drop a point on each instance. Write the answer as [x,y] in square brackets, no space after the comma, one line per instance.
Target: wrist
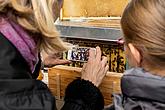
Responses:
[90,80]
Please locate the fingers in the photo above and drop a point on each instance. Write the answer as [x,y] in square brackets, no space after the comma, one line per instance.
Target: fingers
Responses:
[61,62]
[104,61]
[98,54]
[84,66]
[83,70]
[92,54]
[53,62]
[103,67]
[102,75]
[96,67]
[95,54]
[106,69]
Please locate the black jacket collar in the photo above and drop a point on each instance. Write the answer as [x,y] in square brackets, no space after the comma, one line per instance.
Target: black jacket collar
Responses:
[137,83]
[12,64]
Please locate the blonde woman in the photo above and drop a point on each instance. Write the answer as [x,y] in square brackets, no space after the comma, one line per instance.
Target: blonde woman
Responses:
[26,29]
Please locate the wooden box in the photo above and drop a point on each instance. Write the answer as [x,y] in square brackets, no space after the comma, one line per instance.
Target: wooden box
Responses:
[93,12]
[93,8]
[61,76]
[91,23]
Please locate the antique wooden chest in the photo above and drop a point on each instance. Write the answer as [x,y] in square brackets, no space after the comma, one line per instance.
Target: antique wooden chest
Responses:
[91,23]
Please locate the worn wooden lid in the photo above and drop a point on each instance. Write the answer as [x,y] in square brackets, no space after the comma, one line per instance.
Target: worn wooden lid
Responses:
[93,8]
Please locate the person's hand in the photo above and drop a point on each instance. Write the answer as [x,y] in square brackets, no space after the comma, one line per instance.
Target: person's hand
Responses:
[54,59]
[96,67]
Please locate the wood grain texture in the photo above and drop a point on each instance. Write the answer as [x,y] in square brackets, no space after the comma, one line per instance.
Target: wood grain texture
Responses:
[61,76]
[93,23]
[93,8]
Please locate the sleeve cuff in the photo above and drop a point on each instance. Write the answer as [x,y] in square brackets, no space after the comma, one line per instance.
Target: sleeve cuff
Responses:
[84,91]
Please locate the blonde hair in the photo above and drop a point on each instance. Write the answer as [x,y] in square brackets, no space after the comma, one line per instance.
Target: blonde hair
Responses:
[36,16]
[143,25]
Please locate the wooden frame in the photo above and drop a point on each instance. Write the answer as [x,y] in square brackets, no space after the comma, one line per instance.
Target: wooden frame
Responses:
[93,8]
[97,13]
[61,76]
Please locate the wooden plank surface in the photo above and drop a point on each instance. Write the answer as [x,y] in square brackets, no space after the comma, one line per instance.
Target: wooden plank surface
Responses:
[109,23]
[93,8]
[61,76]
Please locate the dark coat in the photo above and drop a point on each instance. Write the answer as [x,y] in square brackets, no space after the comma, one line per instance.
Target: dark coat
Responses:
[140,91]
[19,90]
[83,95]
